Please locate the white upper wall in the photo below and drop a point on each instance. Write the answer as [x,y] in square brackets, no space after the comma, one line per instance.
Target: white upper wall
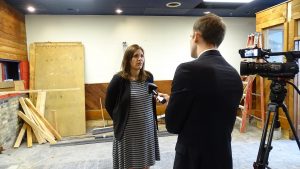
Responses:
[165,39]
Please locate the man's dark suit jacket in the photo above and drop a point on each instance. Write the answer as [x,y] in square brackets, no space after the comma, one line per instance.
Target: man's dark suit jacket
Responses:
[202,109]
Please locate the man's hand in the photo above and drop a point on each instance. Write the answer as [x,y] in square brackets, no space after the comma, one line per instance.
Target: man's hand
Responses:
[165,96]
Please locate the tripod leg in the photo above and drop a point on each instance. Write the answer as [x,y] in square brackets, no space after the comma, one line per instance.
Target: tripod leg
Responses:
[284,108]
[268,146]
[261,151]
[259,164]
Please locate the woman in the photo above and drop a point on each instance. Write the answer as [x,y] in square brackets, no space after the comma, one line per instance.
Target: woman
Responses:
[132,109]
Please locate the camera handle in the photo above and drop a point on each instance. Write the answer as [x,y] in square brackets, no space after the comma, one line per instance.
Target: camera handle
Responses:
[277,95]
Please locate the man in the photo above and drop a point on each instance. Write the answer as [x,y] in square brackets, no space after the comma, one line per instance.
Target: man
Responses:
[204,99]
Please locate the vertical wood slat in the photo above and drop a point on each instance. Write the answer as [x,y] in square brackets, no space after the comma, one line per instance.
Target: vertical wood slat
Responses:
[29,136]
[40,102]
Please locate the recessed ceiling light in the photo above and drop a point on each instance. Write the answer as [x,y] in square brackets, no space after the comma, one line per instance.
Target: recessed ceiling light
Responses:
[173,4]
[206,12]
[31,9]
[229,1]
[119,11]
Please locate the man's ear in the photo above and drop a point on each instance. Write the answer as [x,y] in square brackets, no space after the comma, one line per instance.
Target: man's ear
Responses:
[197,36]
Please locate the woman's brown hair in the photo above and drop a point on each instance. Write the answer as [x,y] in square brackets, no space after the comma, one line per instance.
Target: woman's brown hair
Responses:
[125,67]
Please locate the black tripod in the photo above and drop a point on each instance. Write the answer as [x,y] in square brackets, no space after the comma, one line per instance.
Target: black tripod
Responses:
[277,95]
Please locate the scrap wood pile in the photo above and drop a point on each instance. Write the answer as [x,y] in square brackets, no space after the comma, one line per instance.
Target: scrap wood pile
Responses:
[35,125]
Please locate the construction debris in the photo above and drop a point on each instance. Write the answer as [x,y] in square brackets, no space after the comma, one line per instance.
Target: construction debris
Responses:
[36,123]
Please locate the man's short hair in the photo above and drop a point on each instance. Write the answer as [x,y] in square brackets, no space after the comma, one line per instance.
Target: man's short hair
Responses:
[212,28]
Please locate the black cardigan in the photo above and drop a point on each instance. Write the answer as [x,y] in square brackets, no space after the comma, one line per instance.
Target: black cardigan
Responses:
[117,103]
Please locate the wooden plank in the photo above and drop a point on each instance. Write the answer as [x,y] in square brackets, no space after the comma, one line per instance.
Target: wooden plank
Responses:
[35,127]
[34,118]
[32,52]
[13,44]
[271,23]
[8,49]
[48,125]
[29,136]
[296,16]
[285,36]
[271,17]
[41,124]
[20,136]
[38,137]
[29,115]
[11,28]
[12,37]
[40,102]
[41,90]
[6,84]
[295,9]
[292,34]
[10,56]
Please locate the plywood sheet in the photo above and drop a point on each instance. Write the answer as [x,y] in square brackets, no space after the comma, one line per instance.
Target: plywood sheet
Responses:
[59,66]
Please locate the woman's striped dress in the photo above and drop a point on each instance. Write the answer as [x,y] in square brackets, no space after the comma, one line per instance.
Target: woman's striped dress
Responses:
[139,145]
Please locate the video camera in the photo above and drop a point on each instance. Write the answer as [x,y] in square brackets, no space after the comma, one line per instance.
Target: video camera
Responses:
[279,73]
[270,70]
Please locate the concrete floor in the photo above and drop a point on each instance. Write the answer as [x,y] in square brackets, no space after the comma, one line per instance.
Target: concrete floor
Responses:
[285,154]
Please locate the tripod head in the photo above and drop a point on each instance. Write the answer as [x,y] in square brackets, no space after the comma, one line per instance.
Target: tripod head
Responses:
[278,91]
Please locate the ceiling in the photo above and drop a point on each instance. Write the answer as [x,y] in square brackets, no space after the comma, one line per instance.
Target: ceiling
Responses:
[142,7]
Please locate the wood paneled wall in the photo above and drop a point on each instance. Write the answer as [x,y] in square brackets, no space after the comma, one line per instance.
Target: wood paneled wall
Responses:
[265,19]
[275,16]
[93,93]
[12,33]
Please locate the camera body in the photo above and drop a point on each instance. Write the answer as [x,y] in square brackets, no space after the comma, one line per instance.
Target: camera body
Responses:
[271,70]
[286,70]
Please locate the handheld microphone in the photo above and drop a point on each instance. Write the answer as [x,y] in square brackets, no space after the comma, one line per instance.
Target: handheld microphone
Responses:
[152,89]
